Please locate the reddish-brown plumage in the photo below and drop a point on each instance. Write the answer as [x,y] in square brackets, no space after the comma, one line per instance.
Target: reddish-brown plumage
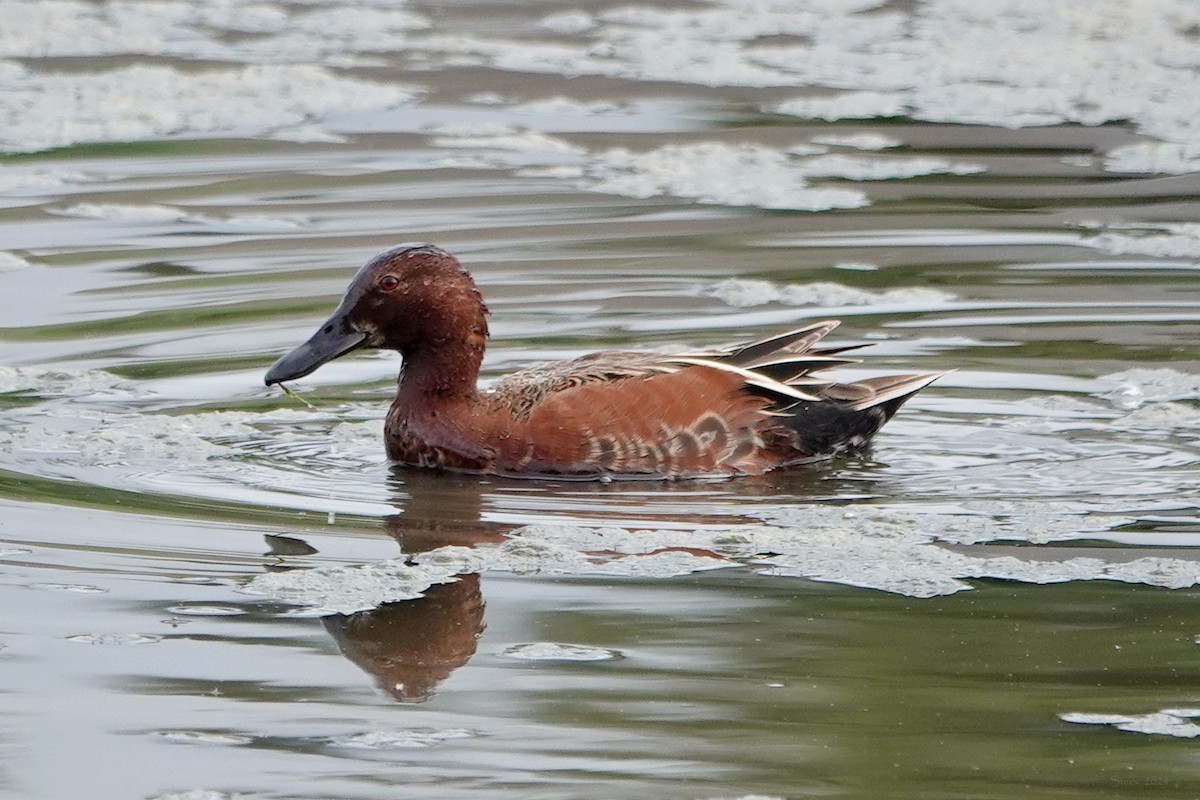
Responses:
[740,410]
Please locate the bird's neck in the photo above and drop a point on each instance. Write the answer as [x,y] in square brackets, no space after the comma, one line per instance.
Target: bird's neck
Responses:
[442,363]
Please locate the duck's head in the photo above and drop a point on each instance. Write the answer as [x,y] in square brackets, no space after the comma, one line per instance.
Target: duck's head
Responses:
[413,298]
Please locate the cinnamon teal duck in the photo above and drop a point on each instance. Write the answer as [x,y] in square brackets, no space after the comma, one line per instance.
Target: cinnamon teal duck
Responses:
[737,410]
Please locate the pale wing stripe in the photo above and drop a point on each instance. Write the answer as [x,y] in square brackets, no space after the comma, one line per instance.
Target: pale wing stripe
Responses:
[804,362]
[751,378]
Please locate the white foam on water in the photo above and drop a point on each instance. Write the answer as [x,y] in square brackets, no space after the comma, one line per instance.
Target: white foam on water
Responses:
[538,549]
[874,168]
[566,106]
[55,109]
[858,141]
[1162,158]
[567,22]
[89,428]
[25,180]
[100,437]
[564,172]
[203,28]
[717,173]
[574,550]
[103,435]
[1175,722]
[123,212]
[49,382]
[195,794]
[204,737]
[1163,417]
[1165,240]
[161,214]
[257,222]
[709,172]
[911,565]
[897,551]
[400,740]
[847,105]
[752,175]
[10,261]
[747,293]
[1007,63]
[115,638]
[206,611]
[912,552]
[346,590]
[555,651]
[79,588]
[502,137]
[1132,388]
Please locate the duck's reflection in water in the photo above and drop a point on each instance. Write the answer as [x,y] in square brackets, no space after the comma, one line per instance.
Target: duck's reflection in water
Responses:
[412,646]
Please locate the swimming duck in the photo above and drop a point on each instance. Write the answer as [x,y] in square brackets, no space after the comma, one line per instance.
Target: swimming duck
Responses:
[737,410]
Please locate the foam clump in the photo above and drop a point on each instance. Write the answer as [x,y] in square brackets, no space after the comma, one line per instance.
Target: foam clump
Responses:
[349,589]
[916,554]
[118,639]
[858,141]
[554,651]
[258,98]
[198,29]
[567,22]
[122,212]
[1155,158]
[973,522]
[577,550]
[105,437]
[30,180]
[399,740]
[11,261]
[944,62]
[501,137]
[1133,388]
[708,172]
[1166,240]
[205,737]
[1162,416]
[1175,722]
[913,564]
[900,552]
[717,173]
[748,174]
[863,168]
[844,105]
[752,175]
[745,293]
[160,214]
[49,382]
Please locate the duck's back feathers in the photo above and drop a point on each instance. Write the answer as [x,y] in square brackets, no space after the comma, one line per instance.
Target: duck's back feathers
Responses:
[743,409]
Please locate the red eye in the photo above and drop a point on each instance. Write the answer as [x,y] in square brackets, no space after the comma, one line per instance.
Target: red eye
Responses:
[388,282]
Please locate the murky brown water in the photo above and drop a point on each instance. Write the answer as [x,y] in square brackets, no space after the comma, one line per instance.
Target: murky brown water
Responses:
[997,600]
